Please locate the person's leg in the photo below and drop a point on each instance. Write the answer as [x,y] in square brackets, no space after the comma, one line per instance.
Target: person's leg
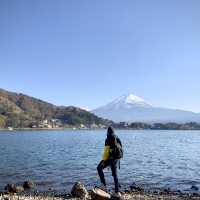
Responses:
[100,167]
[113,165]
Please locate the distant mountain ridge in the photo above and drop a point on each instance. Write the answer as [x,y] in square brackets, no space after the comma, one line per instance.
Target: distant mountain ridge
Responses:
[20,110]
[131,108]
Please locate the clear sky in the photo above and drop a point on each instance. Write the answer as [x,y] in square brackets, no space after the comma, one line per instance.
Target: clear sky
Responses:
[88,52]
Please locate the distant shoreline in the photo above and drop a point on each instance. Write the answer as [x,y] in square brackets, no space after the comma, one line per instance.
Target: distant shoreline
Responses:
[60,129]
[33,129]
[47,129]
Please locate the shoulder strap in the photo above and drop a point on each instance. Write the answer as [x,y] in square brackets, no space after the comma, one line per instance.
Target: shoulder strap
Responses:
[119,141]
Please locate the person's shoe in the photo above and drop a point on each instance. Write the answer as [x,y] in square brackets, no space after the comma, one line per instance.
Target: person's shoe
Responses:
[116,195]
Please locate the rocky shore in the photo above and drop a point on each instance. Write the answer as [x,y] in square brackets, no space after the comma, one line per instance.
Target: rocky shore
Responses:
[27,192]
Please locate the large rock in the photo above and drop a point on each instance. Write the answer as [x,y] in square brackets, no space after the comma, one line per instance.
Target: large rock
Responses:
[13,188]
[98,194]
[10,188]
[79,190]
[28,185]
[19,189]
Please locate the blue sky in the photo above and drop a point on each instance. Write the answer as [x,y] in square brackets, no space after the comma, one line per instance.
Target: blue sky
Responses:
[85,53]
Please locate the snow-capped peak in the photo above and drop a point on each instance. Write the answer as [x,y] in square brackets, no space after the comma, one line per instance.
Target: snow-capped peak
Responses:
[131,108]
[127,101]
[132,99]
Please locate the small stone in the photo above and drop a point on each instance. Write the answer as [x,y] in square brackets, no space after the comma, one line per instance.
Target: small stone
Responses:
[194,187]
[28,185]
[136,188]
[167,191]
[79,190]
[194,194]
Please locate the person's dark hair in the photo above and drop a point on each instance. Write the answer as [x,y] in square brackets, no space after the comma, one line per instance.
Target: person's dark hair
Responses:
[110,131]
[111,135]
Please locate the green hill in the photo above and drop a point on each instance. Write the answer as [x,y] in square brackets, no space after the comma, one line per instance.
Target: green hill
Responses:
[20,111]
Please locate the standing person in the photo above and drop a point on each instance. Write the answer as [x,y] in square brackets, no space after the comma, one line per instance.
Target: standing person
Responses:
[112,154]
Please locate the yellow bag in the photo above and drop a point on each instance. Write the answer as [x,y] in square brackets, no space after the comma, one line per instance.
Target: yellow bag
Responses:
[106,153]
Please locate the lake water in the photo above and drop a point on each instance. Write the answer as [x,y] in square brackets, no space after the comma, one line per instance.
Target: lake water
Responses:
[56,159]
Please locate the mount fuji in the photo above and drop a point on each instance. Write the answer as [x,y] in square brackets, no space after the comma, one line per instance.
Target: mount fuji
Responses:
[131,108]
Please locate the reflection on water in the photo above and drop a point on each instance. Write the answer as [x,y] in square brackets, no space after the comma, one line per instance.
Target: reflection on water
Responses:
[56,159]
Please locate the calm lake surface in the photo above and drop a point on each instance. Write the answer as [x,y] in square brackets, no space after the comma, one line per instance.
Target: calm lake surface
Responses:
[56,159]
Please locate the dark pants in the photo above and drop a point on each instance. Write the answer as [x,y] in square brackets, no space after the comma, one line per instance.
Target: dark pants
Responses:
[113,163]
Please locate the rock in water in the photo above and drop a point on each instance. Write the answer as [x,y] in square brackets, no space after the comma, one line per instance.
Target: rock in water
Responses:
[10,187]
[194,188]
[79,190]
[13,188]
[28,185]
[98,194]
